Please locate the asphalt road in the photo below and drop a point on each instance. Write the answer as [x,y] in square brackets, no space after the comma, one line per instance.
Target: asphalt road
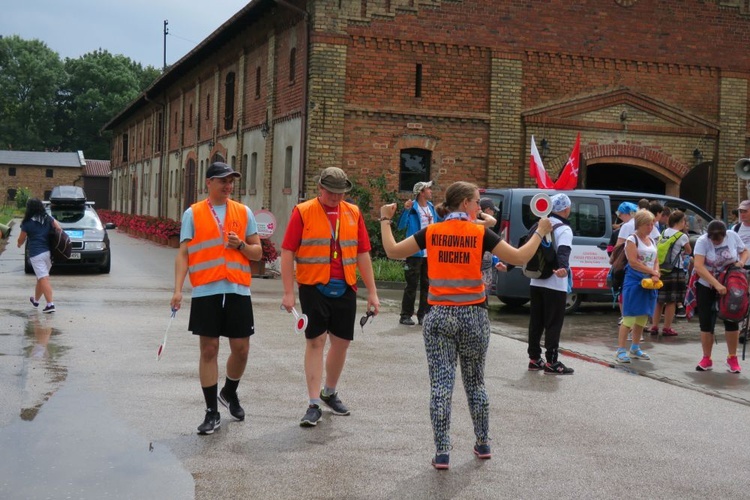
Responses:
[86,411]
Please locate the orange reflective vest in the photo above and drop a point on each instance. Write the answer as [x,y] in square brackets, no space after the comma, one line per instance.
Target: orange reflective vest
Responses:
[313,256]
[454,263]
[209,259]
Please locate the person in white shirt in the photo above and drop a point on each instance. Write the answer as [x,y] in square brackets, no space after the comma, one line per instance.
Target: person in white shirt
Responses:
[714,252]
[548,296]
[672,274]
[742,228]
[637,301]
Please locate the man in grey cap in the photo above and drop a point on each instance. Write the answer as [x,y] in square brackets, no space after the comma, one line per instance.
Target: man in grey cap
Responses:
[418,214]
[218,239]
[548,295]
[327,239]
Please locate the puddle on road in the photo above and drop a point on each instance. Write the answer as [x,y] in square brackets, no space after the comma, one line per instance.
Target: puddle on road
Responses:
[68,444]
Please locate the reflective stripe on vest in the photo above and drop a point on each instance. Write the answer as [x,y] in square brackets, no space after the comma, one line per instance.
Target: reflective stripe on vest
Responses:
[313,257]
[208,258]
[454,263]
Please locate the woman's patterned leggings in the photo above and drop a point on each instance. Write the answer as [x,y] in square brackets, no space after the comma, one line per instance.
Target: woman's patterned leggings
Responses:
[452,332]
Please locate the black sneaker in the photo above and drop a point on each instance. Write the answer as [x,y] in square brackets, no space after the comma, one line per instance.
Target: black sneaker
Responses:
[406,320]
[33,302]
[312,415]
[557,368]
[538,365]
[334,403]
[441,461]
[211,423]
[482,451]
[49,308]
[232,403]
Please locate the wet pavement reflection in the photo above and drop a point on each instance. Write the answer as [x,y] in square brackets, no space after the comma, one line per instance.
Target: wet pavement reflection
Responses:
[67,440]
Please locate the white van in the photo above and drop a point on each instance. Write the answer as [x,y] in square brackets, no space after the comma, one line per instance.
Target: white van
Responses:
[591,218]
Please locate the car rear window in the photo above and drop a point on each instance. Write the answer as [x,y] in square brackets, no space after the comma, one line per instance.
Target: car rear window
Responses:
[77,217]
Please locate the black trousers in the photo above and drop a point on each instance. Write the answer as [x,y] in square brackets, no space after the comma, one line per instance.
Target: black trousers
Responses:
[546,317]
[415,272]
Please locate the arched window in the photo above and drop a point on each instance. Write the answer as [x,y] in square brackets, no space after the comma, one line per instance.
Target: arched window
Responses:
[229,101]
[257,82]
[288,168]
[292,64]
[415,167]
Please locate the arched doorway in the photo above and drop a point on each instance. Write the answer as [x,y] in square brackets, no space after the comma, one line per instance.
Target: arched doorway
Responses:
[694,185]
[621,177]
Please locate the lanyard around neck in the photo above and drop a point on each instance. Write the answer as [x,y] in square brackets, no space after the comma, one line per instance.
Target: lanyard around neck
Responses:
[216,217]
[334,233]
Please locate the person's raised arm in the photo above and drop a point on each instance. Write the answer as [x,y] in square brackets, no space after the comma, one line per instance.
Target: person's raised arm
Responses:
[520,256]
[394,250]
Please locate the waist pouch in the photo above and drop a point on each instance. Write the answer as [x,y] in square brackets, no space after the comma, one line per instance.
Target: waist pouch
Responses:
[334,288]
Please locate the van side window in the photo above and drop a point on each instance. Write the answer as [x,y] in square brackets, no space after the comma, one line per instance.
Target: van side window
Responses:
[587,216]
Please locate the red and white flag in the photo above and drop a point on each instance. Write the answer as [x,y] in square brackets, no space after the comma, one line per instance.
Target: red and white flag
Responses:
[569,177]
[536,168]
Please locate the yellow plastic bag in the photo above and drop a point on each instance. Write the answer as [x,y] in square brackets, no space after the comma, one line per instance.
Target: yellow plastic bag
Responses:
[649,284]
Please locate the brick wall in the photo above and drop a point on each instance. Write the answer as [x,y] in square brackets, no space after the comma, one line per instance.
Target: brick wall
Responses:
[35,178]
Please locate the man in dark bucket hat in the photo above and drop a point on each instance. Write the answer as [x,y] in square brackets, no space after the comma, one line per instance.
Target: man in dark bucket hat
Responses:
[334,179]
[327,239]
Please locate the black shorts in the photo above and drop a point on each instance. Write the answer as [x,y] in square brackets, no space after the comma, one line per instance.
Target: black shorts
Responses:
[707,311]
[328,314]
[226,315]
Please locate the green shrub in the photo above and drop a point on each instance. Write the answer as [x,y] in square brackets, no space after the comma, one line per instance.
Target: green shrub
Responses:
[388,270]
[22,196]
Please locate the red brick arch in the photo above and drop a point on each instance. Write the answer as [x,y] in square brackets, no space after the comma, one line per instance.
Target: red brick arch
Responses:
[652,160]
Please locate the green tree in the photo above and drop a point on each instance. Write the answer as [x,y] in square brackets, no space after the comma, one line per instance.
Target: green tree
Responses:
[30,76]
[99,86]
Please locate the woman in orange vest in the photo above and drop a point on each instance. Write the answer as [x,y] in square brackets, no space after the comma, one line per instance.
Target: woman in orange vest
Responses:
[457,327]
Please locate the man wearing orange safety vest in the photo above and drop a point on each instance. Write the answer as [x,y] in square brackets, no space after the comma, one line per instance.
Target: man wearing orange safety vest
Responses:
[327,239]
[218,239]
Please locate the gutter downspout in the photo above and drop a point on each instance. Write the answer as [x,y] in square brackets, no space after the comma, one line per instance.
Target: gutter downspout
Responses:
[303,124]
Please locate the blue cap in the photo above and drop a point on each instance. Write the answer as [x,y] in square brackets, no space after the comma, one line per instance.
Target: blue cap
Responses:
[627,208]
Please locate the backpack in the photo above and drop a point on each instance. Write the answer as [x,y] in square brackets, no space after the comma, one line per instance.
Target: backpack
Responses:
[733,305]
[664,250]
[617,261]
[60,246]
[544,261]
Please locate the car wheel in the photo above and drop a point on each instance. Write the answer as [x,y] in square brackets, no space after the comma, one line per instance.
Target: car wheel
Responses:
[106,267]
[572,302]
[513,301]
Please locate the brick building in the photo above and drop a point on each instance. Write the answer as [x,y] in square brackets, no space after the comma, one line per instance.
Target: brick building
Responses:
[37,171]
[445,90]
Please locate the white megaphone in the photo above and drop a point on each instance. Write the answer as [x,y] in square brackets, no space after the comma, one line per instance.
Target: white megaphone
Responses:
[742,168]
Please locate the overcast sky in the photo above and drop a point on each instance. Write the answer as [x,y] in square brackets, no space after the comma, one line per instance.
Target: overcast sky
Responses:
[133,28]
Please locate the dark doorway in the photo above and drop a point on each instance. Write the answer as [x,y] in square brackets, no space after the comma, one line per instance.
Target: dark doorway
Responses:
[694,186]
[617,177]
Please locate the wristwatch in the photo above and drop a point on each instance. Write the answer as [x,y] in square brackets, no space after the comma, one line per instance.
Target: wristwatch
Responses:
[241,246]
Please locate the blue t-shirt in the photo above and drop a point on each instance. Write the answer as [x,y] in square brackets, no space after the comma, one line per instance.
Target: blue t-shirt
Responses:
[187,231]
[37,235]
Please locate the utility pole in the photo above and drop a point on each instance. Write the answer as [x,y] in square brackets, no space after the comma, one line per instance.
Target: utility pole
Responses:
[166,32]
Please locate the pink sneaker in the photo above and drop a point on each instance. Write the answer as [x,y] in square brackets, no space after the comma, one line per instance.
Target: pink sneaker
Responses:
[654,330]
[705,364]
[733,364]
[668,332]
